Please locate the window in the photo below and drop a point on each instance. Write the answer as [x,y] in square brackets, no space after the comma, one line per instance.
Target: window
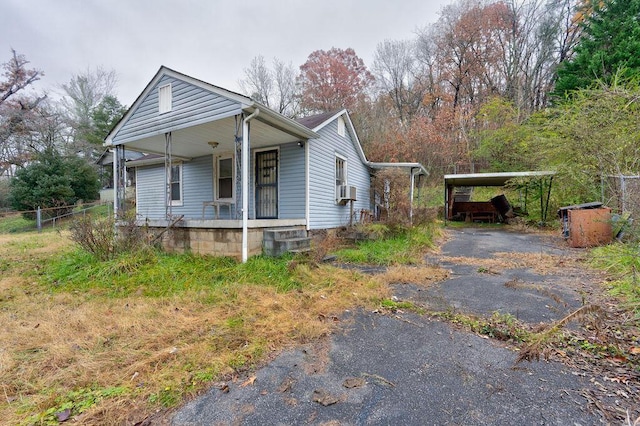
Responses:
[341,127]
[164,99]
[175,185]
[224,185]
[341,171]
[341,179]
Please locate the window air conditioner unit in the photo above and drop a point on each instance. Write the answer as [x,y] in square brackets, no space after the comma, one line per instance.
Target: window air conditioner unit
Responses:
[346,193]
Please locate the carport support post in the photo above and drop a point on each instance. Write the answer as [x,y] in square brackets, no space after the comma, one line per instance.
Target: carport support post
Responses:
[413,180]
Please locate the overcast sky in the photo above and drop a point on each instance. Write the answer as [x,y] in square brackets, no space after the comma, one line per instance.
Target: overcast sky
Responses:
[212,40]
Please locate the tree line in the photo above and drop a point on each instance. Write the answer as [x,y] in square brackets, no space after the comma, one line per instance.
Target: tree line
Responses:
[48,147]
[483,67]
[490,86]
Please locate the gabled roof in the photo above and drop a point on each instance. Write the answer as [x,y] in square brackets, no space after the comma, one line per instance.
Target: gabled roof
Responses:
[246,104]
[316,120]
[146,160]
[107,156]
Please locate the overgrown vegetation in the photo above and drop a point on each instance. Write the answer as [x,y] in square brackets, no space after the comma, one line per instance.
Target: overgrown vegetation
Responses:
[111,327]
[109,339]
[15,223]
[98,235]
[622,262]
[399,245]
[498,326]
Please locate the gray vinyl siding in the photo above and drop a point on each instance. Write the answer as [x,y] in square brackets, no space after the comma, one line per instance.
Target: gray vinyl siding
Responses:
[150,192]
[292,182]
[190,105]
[323,210]
[197,187]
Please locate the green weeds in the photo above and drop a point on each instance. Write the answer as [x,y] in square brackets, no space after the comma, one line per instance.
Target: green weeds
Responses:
[499,326]
[394,306]
[153,273]
[15,223]
[74,403]
[406,246]
[622,262]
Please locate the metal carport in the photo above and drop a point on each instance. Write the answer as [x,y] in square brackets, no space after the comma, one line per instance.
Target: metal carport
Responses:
[541,180]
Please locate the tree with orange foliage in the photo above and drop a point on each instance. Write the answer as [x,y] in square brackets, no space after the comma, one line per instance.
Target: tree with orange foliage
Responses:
[333,79]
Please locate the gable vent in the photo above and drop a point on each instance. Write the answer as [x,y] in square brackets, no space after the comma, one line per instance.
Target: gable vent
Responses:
[164,99]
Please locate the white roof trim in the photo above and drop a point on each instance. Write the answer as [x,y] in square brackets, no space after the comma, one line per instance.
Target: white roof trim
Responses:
[419,166]
[352,130]
[246,104]
[344,113]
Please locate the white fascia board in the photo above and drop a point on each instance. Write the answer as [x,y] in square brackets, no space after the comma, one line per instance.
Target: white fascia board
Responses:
[280,121]
[501,174]
[419,166]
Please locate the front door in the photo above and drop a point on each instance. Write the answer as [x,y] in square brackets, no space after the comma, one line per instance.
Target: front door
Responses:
[267,184]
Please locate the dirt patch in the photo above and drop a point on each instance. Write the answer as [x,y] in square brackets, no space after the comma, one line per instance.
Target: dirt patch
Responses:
[540,263]
[316,356]
[422,275]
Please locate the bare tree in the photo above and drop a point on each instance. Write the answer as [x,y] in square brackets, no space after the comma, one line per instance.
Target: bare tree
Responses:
[82,95]
[286,96]
[395,69]
[258,81]
[16,109]
[275,88]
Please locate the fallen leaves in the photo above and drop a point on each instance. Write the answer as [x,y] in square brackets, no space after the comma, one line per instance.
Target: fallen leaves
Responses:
[324,398]
[249,382]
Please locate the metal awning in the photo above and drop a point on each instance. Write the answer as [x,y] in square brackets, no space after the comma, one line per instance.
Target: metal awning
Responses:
[491,179]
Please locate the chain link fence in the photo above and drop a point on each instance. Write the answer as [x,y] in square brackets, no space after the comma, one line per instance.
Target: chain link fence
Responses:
[31,220]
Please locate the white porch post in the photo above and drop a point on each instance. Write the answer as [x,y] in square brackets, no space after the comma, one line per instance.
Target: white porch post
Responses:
[245,185]
[115,183]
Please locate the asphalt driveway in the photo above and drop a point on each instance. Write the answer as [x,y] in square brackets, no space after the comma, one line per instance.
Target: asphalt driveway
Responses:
[410,369]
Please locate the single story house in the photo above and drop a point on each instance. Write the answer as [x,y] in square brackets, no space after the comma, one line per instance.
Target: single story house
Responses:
[221,168]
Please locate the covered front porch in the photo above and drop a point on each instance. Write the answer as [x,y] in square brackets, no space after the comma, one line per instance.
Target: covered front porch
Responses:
[215,161]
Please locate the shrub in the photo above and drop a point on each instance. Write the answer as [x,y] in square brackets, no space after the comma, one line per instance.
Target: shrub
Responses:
[53,181]
[101,237]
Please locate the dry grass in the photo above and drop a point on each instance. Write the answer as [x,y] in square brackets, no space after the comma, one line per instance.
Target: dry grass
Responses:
[421,275]
[534,349]
[540,263]
[126,357]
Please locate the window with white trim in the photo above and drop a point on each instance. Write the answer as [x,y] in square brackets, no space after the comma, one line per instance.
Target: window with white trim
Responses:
[175,185]
[224,181]
[164,99]
[340,175]
[341,170]
[341,127]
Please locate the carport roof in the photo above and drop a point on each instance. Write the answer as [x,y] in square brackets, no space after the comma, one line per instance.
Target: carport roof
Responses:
[491,179]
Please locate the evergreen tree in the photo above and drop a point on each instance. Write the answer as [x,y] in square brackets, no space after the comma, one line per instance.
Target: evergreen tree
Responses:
[53,181]
[609,47]
[104,118]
